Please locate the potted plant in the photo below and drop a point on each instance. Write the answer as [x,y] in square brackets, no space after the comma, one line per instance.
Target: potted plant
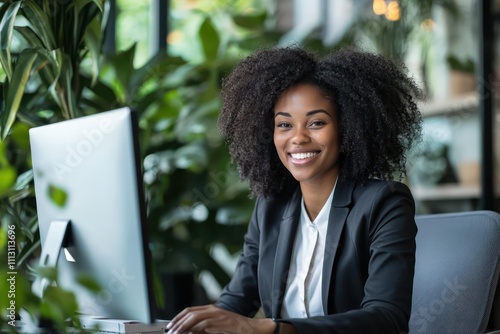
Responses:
[462,75]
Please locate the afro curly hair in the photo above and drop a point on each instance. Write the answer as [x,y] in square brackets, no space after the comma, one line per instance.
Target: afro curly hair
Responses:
[374,98]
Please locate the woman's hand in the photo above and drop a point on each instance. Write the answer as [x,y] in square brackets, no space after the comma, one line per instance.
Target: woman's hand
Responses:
[213,319]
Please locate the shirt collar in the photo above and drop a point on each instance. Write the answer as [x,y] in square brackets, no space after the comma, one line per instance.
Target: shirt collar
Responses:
[323,215]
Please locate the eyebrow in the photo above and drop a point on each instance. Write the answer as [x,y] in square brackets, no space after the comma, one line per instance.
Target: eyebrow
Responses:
[309,113]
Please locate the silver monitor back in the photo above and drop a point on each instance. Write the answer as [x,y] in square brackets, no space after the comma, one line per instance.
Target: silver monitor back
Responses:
[94,161]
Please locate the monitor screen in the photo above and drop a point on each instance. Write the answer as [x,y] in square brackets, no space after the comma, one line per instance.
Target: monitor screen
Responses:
[87,172]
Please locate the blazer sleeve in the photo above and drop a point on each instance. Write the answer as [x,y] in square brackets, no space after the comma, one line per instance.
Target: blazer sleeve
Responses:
[386,305]
[241,295]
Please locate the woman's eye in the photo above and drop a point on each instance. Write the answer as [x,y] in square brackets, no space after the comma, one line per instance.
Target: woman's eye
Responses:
[282,125]
[317,123]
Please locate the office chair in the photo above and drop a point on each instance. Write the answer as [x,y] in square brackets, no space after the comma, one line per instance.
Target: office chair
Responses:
[457,274]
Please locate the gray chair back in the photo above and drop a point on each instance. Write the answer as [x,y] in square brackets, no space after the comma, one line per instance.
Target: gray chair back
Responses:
[456,272]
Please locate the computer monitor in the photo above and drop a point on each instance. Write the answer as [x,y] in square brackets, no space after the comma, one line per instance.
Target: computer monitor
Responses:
[87,172]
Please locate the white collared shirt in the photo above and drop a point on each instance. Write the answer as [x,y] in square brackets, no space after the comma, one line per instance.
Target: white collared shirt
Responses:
[303,293]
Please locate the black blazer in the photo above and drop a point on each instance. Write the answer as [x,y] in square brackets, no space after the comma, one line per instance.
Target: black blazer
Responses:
[368,264]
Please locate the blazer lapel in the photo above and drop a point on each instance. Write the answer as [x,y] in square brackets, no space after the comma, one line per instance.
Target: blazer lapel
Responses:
[336,221]
[286,237]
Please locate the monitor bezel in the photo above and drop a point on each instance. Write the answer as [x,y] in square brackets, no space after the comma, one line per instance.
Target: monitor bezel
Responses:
[141,204]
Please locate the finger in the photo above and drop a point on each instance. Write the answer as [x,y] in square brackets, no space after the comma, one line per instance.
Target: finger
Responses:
[183,313]
[179,316]
[191,316]
[181,325]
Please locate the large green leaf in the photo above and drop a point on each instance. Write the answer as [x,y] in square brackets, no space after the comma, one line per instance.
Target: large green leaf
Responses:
[58,305]
[154,66]
[122,65]
[57,195]
[30,36]
[47,66]
[61,89]
[20,76]
[55,89]
[93,43]
[7,179]
[79,4]
[210,40]
[67,92]
[40,22]
[27,251]
[105,16]
[253,22]
[20,137]
[98,96]
[8,175]
[85,13]
[6,30]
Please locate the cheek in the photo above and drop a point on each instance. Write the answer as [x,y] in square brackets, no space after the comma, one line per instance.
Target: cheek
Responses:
[278,140]
[332,139]
[279,144]
[326,139]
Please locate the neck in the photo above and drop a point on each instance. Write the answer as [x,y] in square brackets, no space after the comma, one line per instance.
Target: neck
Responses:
[316,195]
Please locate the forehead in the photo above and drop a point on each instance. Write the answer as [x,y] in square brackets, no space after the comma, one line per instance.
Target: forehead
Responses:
[304,97]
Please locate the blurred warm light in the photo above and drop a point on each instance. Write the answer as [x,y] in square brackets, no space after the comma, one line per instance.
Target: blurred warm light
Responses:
[379,7]
[428,24]
[390,9]
[175,37]
[393,13]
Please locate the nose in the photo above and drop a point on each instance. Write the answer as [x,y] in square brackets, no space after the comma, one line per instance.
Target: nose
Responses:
[300,136]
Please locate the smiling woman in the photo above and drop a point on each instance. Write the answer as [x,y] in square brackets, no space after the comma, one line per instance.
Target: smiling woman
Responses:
[330,247]
[306,137]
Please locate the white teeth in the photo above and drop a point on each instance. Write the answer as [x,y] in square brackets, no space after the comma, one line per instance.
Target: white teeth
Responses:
[303,155]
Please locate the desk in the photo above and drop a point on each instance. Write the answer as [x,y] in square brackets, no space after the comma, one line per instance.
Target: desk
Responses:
[95,325]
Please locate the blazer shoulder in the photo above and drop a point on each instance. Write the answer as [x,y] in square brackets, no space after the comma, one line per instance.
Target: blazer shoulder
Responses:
[376,193]
[375,186]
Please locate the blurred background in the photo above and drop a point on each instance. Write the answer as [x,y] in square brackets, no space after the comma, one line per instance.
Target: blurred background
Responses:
[166,58]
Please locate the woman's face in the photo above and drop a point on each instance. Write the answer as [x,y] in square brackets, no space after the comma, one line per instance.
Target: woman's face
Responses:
[306,134]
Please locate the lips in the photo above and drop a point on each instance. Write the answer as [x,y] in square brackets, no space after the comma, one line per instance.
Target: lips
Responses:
[302,156]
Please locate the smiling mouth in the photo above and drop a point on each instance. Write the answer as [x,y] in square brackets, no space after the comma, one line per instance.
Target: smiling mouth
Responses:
[302,156]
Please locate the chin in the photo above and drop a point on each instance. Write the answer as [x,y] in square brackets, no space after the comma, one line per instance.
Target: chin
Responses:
[302,178]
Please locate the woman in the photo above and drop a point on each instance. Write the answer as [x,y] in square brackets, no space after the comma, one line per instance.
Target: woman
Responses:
[330,247]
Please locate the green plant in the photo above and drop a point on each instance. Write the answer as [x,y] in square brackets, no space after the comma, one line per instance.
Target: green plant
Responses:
[463,66]
[195,200]
[49,53]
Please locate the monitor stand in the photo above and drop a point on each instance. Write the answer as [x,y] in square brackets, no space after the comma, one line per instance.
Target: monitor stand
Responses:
[59,237]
